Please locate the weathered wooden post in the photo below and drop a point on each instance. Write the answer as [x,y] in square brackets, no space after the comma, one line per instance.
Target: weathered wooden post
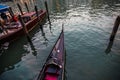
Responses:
[11,12]
[24,28]
[46,6]
[115,28]
[27,35]
[36,10]
[20,8]
[26,7]
[112,36]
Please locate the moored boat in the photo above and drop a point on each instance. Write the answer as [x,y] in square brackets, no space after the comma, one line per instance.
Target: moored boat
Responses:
[15,30]
[54,67]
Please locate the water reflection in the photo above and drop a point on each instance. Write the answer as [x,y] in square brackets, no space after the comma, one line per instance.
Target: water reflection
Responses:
[13,55]
[3,47]
[43,34]
[87,28]
[10,57]
[34,52]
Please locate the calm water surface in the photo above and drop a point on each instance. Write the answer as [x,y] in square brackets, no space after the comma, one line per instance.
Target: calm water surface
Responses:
[87,23]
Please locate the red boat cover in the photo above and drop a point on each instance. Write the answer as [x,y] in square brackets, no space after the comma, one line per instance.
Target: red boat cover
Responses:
[51,77]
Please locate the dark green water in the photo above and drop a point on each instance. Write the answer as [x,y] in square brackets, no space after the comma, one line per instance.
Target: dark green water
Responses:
[88,25]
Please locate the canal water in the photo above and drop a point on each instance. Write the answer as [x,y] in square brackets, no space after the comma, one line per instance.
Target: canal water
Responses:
[87,27]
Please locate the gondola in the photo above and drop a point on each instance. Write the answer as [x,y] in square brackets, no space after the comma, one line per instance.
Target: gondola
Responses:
[54,67]
[15,29]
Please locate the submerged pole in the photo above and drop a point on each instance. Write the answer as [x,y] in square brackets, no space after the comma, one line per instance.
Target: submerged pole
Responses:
[46,6]
[20,8]
[115,28]
[26,7]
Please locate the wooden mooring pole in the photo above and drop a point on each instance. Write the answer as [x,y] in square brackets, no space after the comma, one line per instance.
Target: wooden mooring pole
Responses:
[11,12]
[20,8]
[46,6]
[26,7]
[27,35]
[36,10]
[24,28]
[115,28]
[112,36]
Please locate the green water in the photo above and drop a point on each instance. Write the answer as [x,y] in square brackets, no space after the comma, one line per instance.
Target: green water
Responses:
[88,25]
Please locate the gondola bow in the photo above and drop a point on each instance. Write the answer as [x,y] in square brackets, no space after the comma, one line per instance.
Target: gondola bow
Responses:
[54,66]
